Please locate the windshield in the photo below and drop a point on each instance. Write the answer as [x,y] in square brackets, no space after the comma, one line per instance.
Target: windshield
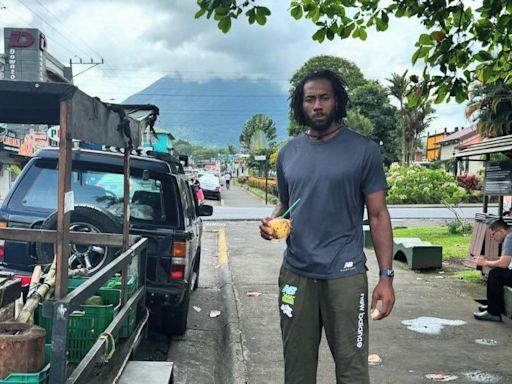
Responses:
[38,190]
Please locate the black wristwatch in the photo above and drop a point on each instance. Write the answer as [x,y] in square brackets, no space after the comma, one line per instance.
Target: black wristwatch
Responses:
[387,272]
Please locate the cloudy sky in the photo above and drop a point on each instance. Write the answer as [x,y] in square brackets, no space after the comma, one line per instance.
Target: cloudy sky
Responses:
[141,41]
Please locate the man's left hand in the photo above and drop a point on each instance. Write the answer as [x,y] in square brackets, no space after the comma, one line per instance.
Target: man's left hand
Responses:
[384,293]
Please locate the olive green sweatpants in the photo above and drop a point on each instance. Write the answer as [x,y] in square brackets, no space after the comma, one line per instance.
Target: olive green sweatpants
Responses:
[340,307]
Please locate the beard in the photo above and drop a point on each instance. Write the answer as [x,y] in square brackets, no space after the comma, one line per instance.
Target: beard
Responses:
[320,125]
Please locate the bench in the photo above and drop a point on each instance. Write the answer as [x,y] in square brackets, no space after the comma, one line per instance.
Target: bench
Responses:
[418,254]
[507,297]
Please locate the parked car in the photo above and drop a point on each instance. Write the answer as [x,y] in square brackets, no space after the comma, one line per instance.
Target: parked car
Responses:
[163,208]
[210,184]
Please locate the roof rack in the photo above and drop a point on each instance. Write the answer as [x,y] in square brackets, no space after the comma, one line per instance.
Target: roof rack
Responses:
[176,162]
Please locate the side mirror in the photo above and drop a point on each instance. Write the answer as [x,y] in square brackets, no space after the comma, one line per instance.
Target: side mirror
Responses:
[205,210]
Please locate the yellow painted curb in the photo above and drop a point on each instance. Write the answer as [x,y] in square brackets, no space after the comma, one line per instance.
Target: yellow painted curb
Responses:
[223,249]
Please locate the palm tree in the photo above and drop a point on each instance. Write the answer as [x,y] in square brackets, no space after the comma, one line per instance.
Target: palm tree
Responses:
[258,122]
[417,120]
[399,88]
[491,108]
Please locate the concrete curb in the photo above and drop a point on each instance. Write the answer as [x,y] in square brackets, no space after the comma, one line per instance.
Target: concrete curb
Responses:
[233,364]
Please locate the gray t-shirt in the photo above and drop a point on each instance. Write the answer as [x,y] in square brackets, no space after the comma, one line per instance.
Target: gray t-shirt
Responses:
[332,179]
[506,250]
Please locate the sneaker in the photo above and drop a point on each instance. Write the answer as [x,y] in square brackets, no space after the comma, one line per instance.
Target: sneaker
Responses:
[486,316]
[482,308]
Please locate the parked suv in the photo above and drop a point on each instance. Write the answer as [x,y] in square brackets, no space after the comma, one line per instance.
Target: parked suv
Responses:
[163,208]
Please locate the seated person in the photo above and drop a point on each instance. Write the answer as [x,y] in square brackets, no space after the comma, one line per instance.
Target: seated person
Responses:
[500,274]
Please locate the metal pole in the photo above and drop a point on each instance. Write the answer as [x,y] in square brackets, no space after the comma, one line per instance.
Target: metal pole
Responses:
[266,179]
[486,198]
[126,222]
[60,313]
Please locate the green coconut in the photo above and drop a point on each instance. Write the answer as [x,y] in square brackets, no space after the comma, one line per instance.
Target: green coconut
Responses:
[94,300]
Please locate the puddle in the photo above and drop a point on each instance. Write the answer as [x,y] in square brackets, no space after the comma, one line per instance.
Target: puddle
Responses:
[487,342]
[441,377]
[430,325]
[481,377]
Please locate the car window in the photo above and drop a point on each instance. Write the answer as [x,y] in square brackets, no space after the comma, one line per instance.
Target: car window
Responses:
[38,190]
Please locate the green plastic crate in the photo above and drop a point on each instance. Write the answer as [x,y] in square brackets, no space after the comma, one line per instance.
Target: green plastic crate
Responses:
[40,377]
[87,324]
[115,283]
[131,286]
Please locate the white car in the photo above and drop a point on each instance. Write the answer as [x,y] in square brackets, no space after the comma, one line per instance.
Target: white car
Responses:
[210,184]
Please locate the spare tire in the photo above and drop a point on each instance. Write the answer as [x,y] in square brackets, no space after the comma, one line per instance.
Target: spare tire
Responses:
[84,218]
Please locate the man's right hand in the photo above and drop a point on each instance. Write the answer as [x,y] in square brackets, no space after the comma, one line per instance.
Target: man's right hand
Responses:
[265,229]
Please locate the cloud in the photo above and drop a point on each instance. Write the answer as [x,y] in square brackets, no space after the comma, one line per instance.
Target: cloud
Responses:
[143,41]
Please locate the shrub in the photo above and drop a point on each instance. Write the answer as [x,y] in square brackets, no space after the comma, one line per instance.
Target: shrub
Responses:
[456,227]
[242,179]
[470,182]
[259,182]
[419,185]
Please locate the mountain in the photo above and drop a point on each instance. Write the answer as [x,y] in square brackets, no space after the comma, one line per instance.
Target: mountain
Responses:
[213,112]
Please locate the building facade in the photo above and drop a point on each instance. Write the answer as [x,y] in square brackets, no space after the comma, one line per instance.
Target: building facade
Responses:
[25,58]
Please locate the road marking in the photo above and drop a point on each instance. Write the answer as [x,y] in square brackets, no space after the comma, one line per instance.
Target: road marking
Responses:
[223,249]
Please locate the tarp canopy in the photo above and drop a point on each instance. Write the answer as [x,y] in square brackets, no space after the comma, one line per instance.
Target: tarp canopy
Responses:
[89,119]
[494,145]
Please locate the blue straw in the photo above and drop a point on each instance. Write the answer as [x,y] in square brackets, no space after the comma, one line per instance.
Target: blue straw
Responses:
[289,209]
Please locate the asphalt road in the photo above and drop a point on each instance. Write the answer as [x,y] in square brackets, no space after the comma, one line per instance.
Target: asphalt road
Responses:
[233,207]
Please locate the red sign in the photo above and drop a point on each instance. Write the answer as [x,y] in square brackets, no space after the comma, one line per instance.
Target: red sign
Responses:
[12,141]
[21,39]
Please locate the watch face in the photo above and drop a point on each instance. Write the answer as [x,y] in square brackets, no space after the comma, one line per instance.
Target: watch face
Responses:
[387,272]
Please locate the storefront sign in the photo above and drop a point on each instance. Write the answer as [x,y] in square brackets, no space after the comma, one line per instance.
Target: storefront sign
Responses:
[33,142]
[25,51]
[54,133]
[498,178]
[11,141]
[21,39]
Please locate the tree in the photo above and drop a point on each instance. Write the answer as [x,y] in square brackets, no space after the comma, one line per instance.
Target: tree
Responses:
[417,120]
[414,119]
[183,147]
[461,44]
[372,101]
[258,122]
[491,108]
[358,122]
[345,69]
[399,88]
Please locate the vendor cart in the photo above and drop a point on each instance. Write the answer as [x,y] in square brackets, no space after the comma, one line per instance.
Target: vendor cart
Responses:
[86,119]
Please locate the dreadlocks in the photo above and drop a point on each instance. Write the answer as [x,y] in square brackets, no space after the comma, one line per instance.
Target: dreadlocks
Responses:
[338,87]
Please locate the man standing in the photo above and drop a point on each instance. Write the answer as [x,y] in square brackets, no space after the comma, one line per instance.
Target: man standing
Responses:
[323,283]
[500,274]
[227,179]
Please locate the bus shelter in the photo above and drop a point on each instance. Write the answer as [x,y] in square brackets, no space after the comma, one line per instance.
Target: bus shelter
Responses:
[497,183]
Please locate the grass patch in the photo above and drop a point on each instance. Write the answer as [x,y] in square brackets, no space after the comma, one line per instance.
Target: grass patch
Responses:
[472,276]
[455,246]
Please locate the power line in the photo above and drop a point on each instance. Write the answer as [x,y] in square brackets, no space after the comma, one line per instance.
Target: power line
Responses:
[17,16]
[66,29]
[51,26]
[72,33]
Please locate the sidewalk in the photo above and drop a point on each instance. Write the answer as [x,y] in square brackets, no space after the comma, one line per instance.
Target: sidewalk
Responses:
[445,340]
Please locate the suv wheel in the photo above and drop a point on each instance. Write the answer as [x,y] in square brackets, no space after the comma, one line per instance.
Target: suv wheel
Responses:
[174,319]
[88,219]
[195,271]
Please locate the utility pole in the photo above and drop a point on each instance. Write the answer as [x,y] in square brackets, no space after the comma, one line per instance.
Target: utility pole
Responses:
[92,64]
